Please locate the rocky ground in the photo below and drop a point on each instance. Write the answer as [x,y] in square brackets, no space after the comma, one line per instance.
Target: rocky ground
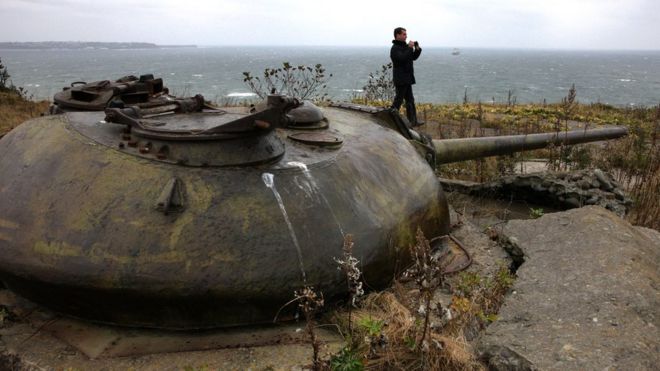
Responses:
[561,190]
[586,293]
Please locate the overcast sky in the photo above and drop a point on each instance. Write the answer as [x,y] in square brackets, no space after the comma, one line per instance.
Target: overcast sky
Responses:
[553,24]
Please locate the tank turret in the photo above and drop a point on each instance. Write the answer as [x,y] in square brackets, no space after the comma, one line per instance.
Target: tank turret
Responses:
[189,217]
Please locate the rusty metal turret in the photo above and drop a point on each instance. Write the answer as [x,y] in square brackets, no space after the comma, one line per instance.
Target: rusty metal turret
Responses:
[185,217]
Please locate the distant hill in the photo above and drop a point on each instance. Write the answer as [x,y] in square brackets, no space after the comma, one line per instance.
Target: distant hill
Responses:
[85,45]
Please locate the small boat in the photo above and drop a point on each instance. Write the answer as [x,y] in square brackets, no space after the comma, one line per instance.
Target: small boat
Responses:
[455,51]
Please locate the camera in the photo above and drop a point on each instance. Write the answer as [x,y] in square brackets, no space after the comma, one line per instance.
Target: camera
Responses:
[416,44]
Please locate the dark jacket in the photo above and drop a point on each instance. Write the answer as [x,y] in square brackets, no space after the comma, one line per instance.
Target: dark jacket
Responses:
[402,61]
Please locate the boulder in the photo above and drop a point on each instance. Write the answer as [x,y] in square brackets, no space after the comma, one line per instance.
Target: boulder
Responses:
[558,190]
[586,296]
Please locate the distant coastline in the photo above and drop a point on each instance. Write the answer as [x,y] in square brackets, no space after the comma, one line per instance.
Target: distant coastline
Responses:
[78,45]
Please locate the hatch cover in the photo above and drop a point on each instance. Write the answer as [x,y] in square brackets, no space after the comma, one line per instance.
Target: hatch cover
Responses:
[317,139]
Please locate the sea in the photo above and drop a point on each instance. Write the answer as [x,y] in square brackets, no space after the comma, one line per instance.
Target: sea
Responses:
[620,78]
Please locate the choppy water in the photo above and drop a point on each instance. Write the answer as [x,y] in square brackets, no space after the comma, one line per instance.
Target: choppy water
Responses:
[619,78]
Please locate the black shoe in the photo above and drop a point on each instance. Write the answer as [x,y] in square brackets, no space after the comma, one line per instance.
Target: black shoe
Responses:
[418,123]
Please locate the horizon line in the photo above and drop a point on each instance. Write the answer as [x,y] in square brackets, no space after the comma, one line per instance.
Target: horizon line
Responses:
[498,47]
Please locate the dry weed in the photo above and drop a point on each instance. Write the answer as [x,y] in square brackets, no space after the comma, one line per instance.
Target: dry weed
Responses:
[401,329]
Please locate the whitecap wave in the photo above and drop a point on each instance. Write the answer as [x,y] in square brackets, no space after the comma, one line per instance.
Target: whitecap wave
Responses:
[241,95]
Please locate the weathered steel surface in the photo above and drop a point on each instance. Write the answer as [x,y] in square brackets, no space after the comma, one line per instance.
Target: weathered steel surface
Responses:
[307,113]
[455,150]
[82,232]
[97,95]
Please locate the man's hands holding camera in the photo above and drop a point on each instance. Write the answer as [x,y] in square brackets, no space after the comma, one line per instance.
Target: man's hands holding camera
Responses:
[413,44]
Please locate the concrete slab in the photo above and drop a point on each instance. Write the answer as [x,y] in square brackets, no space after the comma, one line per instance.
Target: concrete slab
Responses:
[40,339]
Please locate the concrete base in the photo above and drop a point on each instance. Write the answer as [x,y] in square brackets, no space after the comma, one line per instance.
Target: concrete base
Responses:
[40,338]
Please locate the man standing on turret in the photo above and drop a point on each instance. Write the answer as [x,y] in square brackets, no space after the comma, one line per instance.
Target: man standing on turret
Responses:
[402,56]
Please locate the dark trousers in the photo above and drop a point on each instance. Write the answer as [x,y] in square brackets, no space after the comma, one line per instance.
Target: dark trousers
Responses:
[404,92]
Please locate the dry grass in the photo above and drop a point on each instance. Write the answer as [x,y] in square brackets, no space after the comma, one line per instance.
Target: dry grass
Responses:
[14,110]
[400,321]
[400,329]
[635,162]
[647,202]
[405,328]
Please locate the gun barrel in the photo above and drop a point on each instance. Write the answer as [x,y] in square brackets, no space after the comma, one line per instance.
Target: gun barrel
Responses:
[455,150]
